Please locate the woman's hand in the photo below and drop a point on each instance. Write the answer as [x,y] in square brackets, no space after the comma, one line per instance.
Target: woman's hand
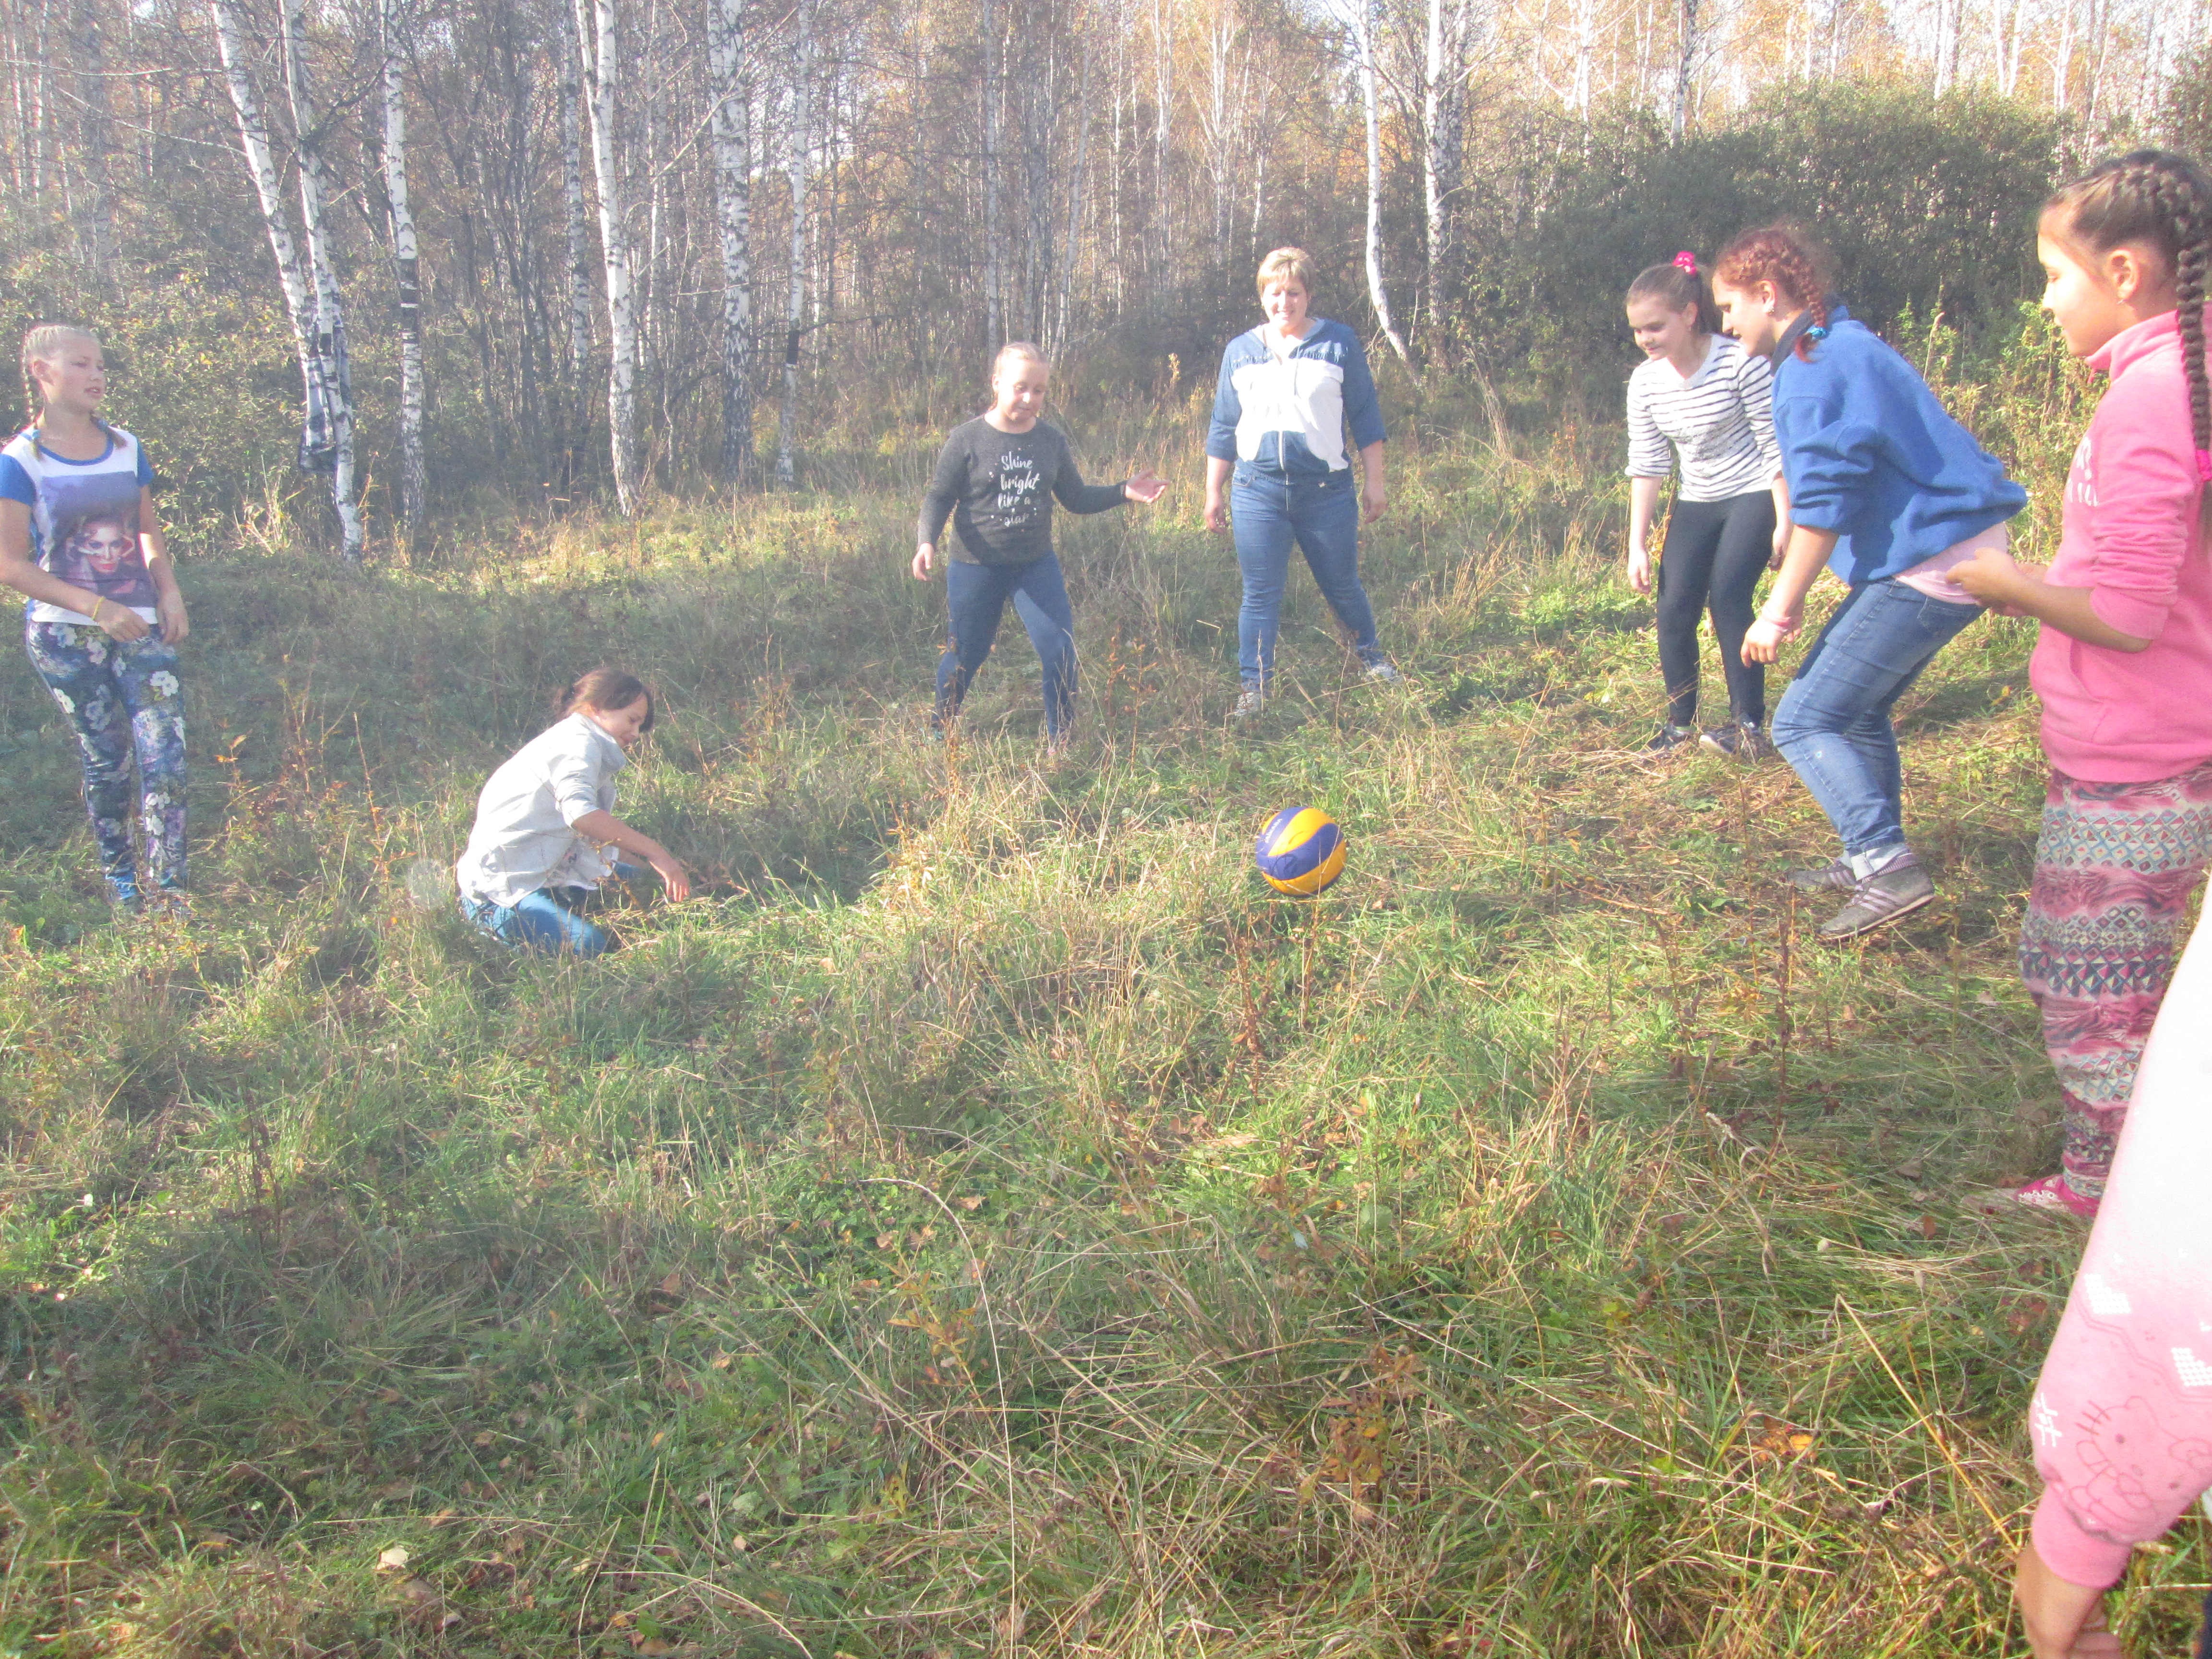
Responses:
[1374,501]
[1762,641]
[1639,569]
[923,556]
[1146,487]
[1217,511]
[176,624]
[1781,543]
[2063,1619]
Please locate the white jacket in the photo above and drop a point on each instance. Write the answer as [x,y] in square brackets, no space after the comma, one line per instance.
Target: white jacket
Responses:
[523,839]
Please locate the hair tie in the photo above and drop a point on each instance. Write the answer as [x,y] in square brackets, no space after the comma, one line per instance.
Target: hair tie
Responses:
[1818,331]
[2204,465]
[1688,261]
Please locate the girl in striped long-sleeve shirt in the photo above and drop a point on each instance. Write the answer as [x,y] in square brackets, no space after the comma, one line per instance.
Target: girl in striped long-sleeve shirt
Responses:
[1700,397]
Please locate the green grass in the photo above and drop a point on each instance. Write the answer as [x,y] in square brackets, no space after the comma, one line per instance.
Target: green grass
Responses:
[988,1221]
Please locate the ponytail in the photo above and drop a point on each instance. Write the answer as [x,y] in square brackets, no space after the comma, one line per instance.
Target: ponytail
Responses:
[1796,266]
[2155,197]
[607,689]
[1680,286]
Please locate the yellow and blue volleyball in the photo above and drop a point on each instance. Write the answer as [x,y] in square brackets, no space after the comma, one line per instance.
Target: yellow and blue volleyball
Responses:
[1301,851]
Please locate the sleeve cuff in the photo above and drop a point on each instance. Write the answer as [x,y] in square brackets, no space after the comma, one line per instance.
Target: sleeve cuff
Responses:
[2072,1553]
[2141,617]
[1216,451]
[573,807]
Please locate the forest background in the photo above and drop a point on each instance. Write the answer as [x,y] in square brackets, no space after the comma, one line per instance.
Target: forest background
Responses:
[525,254]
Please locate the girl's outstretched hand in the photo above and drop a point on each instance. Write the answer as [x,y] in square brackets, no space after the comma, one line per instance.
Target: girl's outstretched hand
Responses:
[923,556]
[1146,487]
[1640,569]
[673,877]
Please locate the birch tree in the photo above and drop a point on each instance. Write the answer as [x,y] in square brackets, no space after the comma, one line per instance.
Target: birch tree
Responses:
[96,130]
[599,58]
[994,233]
[319,374]
[1685,65]
[1378,292]
[576,231]
[413,481]
[731,114]
[1444,130]
[327,305]
[798,142]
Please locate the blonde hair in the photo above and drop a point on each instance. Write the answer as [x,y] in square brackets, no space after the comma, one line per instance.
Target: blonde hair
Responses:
[1013,349]
[42,344]
[1287,264]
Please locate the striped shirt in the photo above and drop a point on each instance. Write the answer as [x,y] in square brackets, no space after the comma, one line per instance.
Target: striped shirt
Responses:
[1720,420]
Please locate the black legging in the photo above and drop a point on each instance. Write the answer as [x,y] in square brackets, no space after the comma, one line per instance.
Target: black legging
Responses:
[1714,551]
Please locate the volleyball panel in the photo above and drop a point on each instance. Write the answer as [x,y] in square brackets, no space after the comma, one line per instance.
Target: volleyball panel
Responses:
[1301,851]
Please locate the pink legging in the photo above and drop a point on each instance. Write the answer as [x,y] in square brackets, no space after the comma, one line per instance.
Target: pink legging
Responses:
[2121,1418]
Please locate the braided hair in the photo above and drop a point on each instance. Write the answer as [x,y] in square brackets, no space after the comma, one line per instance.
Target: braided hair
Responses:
[2163,200]
[1678,286]
[42,344]
[1798,266]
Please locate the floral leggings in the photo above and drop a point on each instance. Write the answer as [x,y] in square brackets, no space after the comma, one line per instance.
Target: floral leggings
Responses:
[122,698]
[2115,867]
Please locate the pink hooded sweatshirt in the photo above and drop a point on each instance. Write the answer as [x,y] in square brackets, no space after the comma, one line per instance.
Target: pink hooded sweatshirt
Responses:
[2122,1418]
[2131,533]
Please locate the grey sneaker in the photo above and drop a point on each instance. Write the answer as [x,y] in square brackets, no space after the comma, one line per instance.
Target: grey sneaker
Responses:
[1739,740]
[1881,898]
[1250,701]
[1837,876]
[1669,740]
[1383,671]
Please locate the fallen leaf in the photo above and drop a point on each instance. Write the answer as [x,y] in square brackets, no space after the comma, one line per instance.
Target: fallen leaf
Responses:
[673,1283]
[393,1559]
[419,1591]
[969,1203]
[1927,1226]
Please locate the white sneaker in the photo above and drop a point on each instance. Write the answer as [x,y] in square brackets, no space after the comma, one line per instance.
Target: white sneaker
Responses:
[1382,671]
[1250,701]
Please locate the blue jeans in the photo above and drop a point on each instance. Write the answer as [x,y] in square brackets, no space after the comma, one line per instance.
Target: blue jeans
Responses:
[1270,510]
[549,919]
[1833,724]
[977,594]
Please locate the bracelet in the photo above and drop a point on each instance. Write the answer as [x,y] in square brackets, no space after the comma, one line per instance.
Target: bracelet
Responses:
[97,601]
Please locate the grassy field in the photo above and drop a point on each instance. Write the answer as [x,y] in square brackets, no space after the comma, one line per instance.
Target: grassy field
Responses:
[988,1222]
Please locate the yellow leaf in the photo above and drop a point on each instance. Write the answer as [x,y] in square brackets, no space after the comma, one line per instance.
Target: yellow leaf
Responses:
[393,1559]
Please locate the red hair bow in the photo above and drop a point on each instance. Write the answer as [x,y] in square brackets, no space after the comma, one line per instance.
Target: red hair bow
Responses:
[1688,261]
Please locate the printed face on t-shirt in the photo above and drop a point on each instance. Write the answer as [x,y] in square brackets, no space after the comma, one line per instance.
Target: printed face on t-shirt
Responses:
[100,546]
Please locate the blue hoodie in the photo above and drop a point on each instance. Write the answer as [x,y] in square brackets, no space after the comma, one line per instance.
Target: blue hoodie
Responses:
[1869,454]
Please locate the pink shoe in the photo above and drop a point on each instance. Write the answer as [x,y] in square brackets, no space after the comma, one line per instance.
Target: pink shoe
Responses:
[2050,1193]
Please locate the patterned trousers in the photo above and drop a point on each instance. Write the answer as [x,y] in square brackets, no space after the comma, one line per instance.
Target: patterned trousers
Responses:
[2115,866]
[122,700]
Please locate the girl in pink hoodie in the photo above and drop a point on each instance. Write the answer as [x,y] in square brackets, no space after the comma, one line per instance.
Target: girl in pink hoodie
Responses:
[2124,664]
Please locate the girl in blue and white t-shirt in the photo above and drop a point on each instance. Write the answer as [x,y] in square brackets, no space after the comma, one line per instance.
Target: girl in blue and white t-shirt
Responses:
[79,537]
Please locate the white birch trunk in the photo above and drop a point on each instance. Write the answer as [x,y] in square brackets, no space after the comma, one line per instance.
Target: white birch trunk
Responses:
[795,170]
[329,306]
[1443,110]
[1686,68]
[2062,66]
[1378,292]
[599,53]
[98,221]
[732,109]
[1582,87]
[406,271]
[993,268]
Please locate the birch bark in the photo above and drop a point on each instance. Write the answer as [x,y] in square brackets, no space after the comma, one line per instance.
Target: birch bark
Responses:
[600,56]
[97,228]
[994,266]
[732,110]
[795,169]
[1686,68]
[328,331]
[1378,292]
[413,482]
[1443,107]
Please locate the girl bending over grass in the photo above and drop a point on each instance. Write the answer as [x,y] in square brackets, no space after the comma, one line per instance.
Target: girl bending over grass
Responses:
[546,818]
[1890,493]
[2124,664]
[79,539]
[1699,396]
[997,480]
